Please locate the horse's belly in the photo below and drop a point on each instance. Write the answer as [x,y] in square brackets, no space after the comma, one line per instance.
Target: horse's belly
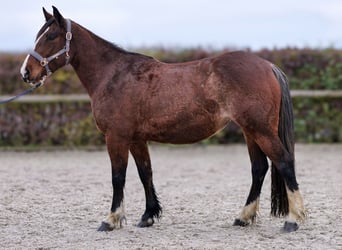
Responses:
[184,137]
[186,131]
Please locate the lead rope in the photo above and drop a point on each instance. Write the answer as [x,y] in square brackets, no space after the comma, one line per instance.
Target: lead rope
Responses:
[36,86]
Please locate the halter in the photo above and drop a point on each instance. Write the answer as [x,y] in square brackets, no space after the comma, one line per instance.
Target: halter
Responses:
[44,61]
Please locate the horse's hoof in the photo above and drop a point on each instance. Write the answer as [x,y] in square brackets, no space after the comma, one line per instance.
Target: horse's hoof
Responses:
[240,223]
[290,227]
[146,223]
[105,227]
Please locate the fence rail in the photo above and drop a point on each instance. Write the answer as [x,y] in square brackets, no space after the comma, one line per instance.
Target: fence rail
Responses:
[86,98]
[50,98]
[316,93]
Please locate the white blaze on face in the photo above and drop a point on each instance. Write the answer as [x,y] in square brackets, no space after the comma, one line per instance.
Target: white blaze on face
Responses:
[23,67]
[41,36]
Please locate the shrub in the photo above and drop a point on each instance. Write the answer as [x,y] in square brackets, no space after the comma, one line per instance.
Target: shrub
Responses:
[71,124]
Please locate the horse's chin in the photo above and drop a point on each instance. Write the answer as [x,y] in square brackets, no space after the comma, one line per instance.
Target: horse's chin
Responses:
[40,82]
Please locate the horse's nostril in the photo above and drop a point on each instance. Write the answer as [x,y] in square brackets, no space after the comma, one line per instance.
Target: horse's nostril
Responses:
[26,75]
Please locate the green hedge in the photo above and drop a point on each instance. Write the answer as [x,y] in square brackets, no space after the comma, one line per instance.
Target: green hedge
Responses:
[48,124]
[71,124]
[306,69]
[318,119]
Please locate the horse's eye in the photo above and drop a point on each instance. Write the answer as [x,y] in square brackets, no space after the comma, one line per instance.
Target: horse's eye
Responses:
[52,36]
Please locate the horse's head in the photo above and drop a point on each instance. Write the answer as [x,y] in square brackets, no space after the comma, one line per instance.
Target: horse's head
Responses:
[51,50]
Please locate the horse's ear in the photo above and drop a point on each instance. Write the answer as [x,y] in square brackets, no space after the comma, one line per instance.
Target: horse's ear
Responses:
[46,14]
[59,18]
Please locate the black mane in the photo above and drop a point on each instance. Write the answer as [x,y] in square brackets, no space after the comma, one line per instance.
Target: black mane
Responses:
[116,47]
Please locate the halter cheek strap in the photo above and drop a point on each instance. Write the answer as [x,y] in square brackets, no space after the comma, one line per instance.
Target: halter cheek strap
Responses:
[44,61]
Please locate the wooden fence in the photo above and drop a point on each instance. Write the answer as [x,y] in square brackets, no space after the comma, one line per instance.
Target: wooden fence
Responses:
[85,98]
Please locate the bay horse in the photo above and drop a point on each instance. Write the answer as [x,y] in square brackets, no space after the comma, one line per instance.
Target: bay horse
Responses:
[136,99]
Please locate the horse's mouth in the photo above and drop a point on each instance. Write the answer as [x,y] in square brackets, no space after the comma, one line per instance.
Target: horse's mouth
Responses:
[40,82]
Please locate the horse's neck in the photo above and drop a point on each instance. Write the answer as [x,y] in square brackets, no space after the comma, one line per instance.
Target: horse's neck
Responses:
[92,56]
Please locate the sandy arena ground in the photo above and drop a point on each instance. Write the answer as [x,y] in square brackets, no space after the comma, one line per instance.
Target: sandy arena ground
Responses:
[56,200]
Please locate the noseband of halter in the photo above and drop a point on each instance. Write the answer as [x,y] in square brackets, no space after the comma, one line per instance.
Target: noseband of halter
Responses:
[44,61]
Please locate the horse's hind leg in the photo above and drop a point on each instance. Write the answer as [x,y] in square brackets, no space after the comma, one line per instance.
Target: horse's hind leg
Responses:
[284,162]
[153,210]
[118,153]
[259,169]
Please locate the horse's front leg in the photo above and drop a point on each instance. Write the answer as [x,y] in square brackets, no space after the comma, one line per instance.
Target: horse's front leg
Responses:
[118,153]
[153,210]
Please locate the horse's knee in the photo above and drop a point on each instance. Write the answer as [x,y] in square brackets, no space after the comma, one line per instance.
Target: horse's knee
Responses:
[118,180]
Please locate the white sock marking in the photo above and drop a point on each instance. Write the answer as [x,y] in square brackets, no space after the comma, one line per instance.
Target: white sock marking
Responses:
[115,219]
[296,207]
[249,211]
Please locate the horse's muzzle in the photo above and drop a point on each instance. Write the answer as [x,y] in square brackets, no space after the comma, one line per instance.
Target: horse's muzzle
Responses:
[26,76]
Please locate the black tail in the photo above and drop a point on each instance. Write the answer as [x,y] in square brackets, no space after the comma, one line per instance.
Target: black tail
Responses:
[279,201]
